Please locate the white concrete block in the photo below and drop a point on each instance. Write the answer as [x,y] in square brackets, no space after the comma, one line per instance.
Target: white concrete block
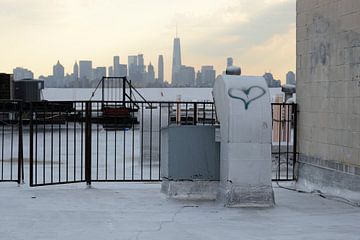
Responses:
[244,110]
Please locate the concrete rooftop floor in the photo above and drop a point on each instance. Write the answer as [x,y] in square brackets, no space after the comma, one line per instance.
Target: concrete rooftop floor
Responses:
[140,211]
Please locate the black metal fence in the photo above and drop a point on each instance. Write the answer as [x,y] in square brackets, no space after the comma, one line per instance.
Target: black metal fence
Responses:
[11,141]
[104,141]
[98,141]
[284,152]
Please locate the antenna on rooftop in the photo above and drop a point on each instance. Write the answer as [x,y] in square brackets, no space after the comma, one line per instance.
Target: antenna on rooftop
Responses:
[176,30]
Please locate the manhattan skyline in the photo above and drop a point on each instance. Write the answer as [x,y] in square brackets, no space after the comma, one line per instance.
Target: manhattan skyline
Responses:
[259,35]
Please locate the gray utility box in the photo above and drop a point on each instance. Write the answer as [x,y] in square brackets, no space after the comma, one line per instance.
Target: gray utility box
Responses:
[190,153]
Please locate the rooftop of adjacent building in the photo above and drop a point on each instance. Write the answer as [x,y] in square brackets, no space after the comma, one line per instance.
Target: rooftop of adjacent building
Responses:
[140,211]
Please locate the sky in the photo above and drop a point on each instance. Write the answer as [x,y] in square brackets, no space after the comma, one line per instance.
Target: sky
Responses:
[258,34]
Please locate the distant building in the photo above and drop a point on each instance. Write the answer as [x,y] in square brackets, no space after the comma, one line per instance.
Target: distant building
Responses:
[272,83]
[186,77]
[229,62]
[136,69]
[22,73]
[150,74]
[85,70]
[58,74]
[176,63]
[116,66]
[111,72]
[133,67]
[291,78]
[99,73]
[161,69]
[123,70]
[206,77]
[76,72]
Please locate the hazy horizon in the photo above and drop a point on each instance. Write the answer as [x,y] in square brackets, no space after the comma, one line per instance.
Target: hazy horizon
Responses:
[259,35]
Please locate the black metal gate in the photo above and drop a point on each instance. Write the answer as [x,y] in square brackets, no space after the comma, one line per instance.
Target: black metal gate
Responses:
[11,141]
[104,141]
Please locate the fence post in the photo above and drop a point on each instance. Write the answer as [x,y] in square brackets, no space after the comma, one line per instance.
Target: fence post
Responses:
[20,143]
[31,150]
[88,143]
[295,111]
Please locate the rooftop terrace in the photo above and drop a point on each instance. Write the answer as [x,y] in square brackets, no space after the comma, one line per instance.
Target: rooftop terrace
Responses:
[140,211]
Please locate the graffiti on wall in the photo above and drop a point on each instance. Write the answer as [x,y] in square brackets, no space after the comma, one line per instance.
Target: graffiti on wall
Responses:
[247,95]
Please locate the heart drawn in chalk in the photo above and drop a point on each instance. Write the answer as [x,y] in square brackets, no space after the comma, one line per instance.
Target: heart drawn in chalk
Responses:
[247,95]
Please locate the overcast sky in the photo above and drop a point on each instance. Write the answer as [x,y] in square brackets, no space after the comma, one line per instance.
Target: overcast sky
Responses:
[258,34]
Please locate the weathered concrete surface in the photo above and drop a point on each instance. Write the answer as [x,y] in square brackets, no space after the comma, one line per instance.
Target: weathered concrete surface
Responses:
[140,211]
[328,89]
[190,190]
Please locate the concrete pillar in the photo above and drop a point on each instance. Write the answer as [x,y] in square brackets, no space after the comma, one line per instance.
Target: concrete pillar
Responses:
[244,110]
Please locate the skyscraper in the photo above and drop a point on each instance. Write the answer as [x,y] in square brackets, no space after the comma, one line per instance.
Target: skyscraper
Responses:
[123,70]
[141,68]
[76,71]
[85,70]
[151,73]
[176,64]
[111,72]
[99,73]
[186,77]
[161,69]
[58,73]
[206,78]
[116,66]
[132,67]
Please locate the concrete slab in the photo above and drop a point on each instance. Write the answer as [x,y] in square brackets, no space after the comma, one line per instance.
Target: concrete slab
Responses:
[140,211]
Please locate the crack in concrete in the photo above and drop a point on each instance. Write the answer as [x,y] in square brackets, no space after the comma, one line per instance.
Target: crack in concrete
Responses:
[163,222]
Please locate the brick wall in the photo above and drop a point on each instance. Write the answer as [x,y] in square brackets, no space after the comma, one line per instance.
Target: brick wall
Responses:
[328,83]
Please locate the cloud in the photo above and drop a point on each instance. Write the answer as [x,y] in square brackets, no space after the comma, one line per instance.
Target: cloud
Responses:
[277,54]
[256,22]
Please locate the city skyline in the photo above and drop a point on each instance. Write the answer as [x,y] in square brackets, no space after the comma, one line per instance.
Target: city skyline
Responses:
[245,30]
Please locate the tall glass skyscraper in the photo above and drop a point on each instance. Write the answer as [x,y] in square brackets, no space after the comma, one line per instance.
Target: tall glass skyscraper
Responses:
[161,69]
[176,64]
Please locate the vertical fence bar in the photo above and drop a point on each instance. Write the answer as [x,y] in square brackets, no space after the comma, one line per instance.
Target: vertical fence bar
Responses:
[12,148]
[115,154]
[21,147]
[295,113]
[133,142]
[97,141]
[288,129]
[142,141]
[280,127]
[81,140]
[160,141]
[59,132]
[151,140]
[74,149]
[2,151]
[44,143]
[88,143]
[31,145]
[52,144]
